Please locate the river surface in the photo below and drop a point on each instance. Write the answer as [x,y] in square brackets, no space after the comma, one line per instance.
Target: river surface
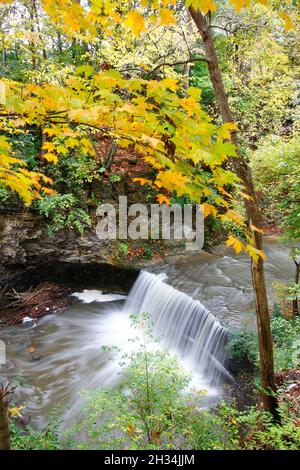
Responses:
[53,360]
[223,284]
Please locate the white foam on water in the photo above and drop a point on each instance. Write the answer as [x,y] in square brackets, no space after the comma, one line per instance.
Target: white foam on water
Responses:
[88,296]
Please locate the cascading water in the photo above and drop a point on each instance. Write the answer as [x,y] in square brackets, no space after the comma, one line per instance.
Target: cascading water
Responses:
[53,360]
[68,355]
[186,327]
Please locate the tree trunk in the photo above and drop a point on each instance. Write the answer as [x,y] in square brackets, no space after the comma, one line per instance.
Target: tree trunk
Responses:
[5,443]
[186,76]
[295,301]
[43,141]
[31,42]
[59,43]
[38,28]
[243,171]
[3,52]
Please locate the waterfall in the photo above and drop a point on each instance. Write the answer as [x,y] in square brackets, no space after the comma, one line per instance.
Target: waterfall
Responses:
[71,358]
[184,325]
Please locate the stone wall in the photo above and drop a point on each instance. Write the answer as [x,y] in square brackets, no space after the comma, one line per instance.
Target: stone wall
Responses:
[28,254]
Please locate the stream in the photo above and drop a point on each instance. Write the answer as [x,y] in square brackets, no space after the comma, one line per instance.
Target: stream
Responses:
[202,296]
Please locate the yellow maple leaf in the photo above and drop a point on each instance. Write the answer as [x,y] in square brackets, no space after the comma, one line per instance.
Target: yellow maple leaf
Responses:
[49,191]
[226,129]
[167,17]
[117,17]
[208,5]
[288,21]
[209,209]
[204,5]
[50,157]
[245,196]
[162,199]
[142,181]
[15,410]
[255,253]
[256,229]
[235,217]
[222,190]
[167,2]
[172,179]
[135,22]
[170,83]
[48,146]
[239,4]
[206,191]
[153,162]
[235,243]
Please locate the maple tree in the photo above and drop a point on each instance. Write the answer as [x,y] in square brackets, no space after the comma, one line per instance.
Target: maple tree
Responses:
[13,174]
[147,120]
[162,118]
[92,99]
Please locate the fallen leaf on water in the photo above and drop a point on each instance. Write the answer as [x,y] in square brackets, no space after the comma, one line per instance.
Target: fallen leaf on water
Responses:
[15,410]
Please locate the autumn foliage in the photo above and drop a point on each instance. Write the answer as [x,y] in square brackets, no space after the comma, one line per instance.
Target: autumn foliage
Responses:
[166,124]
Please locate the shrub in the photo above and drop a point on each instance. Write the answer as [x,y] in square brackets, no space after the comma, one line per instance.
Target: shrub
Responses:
[64,213]
[115,178]
[28,439]
[275,167]
[122,249]
[255,430]
[152,407]
[286,335]
[148,253]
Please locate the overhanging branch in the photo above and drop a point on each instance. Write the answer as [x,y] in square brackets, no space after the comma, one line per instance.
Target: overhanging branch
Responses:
[180,62]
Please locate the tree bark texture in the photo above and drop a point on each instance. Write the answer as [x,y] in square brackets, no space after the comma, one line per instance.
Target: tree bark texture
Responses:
[243,171]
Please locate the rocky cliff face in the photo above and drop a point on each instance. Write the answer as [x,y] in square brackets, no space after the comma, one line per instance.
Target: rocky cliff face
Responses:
[29,254]
[23,240]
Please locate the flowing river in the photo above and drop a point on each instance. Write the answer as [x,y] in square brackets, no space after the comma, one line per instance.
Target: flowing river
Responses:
[192,307]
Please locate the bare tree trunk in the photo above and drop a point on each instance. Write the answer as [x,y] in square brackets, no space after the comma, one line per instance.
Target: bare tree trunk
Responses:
[243,171]
[3,53]
[186,76]
[295,301]
[59,42]
[43,141]
[109,158]
[35,12]
[5,392]
[31,42]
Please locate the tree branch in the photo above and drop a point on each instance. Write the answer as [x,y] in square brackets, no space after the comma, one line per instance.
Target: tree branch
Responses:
[180,62]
